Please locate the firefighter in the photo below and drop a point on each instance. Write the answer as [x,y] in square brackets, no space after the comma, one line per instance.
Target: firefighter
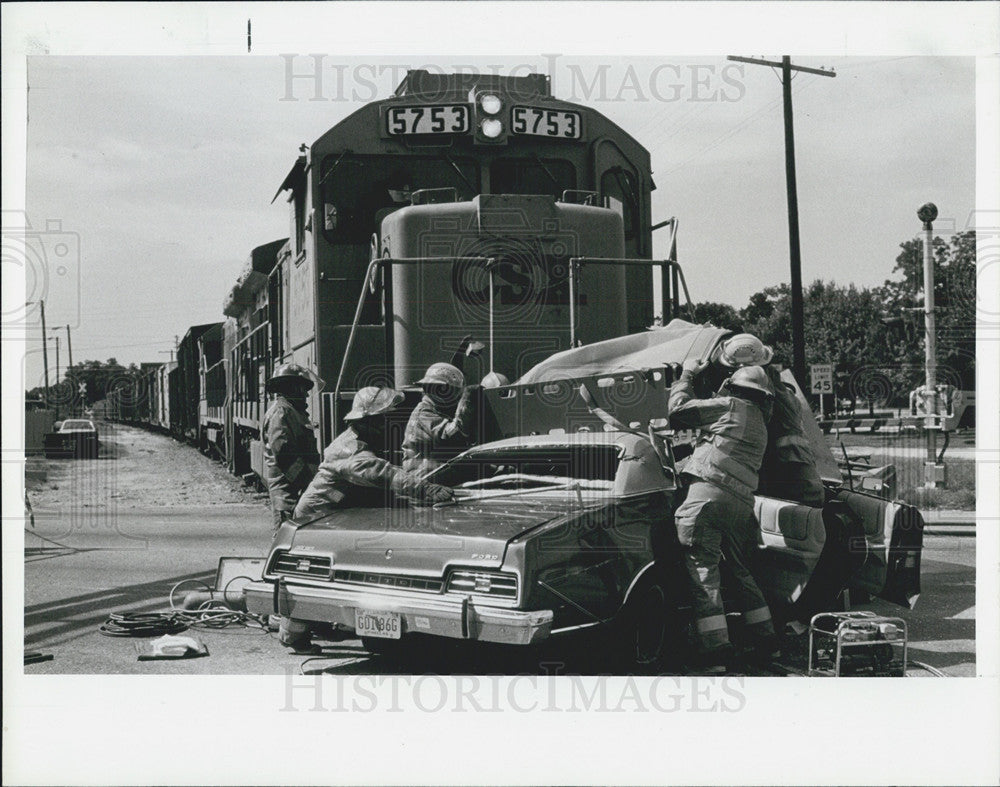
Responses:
[744,349]
[789,467]
[788,470]
[440,427]
[717,518]
[290,455]
[355,471]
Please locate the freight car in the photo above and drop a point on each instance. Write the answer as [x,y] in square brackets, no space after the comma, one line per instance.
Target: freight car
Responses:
[188,379]
[252,337]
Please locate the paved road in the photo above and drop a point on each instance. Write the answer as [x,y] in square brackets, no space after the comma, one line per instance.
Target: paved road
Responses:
[82,565]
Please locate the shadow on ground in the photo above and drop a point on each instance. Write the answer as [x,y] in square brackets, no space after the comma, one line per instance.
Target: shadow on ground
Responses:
[56,622]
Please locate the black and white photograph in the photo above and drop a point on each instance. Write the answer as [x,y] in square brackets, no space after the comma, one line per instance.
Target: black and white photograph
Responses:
[438,392]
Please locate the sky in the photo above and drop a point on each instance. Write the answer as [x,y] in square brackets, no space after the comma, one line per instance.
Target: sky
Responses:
[164,168]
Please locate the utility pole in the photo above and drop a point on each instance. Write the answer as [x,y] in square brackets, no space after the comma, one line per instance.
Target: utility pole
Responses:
[798,321]
[57,374]
[69,349]
[45,351]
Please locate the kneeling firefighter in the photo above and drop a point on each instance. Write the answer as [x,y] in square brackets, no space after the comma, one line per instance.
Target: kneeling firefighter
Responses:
[717,518]
[355,472]
[290,455]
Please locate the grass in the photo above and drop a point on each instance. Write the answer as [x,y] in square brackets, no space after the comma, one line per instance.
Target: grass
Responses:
[960,492]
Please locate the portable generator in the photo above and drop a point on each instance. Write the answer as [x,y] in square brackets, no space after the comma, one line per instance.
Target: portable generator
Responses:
[857,644]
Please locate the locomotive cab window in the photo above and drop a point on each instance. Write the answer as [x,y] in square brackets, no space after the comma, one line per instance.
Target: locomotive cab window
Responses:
[532,176]
[356,189]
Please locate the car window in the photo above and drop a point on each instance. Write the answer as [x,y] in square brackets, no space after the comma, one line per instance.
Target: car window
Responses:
[595,466]
[77,425]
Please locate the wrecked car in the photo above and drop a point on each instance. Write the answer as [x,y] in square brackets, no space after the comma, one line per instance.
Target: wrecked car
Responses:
[572,527]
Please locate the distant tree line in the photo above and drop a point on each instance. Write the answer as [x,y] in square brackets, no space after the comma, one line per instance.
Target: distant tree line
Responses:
[87,382]
[874,336]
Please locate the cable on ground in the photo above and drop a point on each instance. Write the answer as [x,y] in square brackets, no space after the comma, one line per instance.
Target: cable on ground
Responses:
[210,614]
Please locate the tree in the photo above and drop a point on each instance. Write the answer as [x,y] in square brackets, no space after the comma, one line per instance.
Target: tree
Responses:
[96,379]
[954,309]
[722,315]
[769,317]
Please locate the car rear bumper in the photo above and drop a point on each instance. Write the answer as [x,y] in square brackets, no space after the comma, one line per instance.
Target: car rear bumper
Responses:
[455,618]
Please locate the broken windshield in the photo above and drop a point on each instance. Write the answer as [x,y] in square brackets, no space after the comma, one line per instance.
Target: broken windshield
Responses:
[589,467]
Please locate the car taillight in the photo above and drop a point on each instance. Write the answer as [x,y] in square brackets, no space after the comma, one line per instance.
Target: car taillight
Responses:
[494,584]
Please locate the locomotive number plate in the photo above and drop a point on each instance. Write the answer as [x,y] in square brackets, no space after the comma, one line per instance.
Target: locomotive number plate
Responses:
[545,122]
[447,119]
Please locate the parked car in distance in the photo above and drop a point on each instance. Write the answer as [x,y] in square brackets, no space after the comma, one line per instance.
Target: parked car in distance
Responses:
[74,437]
[550,534]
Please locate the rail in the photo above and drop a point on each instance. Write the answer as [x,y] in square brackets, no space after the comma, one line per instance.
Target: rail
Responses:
[576,262]
[488,263]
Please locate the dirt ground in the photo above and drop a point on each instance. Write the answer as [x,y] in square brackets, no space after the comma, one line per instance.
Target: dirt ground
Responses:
[135,468]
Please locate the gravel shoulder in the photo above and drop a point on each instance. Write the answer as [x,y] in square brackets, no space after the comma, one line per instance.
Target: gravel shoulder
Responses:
[135,468]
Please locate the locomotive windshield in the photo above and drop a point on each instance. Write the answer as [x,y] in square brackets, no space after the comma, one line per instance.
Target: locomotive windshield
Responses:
[532,176]
[356,188]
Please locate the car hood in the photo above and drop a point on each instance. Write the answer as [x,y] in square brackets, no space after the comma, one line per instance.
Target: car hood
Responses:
[421,540]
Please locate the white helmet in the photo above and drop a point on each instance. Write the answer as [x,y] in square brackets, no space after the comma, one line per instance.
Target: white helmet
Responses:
[495,380]
[744,349]
[443,374]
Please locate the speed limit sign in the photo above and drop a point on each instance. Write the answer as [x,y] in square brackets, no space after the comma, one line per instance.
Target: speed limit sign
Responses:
[821,375]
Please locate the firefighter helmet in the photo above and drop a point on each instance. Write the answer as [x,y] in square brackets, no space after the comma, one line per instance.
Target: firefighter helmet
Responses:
[495,380]
[289,374]
[745,349]
[443,374]
[751,378]
[372,400]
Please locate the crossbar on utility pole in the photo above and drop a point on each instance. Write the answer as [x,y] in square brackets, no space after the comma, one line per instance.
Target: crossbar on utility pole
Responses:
[798,322]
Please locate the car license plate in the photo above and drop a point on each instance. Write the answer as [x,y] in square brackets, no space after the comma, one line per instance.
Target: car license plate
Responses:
[369,623]
[445,119]
[545,122]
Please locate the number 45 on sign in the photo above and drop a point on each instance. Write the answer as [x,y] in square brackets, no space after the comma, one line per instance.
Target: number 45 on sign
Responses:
[821,375]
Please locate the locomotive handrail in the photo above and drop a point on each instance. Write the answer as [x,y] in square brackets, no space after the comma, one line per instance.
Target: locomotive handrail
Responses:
[575,262]
[487,263]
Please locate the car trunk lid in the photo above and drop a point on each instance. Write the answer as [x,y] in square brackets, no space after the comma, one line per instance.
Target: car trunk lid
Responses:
[422,540]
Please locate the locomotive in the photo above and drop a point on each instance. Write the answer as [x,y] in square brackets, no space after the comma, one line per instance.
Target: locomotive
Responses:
[463,204]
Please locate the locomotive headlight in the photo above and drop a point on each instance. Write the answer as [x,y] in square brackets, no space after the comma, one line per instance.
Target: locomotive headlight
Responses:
[491,127]
[491,104]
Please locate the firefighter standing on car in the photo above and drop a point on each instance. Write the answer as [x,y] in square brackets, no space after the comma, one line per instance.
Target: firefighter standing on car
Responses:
[290,455]
[355,470]
[789,469]
[440,427]
[717,517]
